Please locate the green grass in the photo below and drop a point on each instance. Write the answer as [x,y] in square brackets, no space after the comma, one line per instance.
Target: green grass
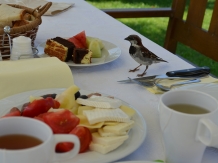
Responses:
[155,28]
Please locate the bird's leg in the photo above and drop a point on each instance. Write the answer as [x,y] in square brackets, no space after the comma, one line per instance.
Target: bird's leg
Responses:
[135,69]
[140,75]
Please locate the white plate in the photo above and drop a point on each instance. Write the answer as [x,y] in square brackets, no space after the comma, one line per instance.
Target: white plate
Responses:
[211,88]
[136,135]
[110,52]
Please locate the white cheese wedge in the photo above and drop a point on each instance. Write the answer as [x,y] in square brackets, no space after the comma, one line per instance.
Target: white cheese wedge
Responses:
[100,101]
[106,134]
[97,139]
[101,115]
[104,149]
[119,128]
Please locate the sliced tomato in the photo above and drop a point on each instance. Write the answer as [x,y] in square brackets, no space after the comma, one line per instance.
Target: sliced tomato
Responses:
[39,106]
[84,136]
[62,121]
[79,40]
[64,147]
[13,112]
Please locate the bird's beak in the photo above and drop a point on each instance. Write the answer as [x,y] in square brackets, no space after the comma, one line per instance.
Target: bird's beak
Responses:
[127,39]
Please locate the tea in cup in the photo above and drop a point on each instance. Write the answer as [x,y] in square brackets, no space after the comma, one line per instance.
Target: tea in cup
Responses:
[189,124]
[27,140]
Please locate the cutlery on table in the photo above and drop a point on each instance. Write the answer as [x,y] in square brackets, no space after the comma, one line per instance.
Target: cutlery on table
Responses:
[178,74]
[146,84]
[165,88]
[152,83]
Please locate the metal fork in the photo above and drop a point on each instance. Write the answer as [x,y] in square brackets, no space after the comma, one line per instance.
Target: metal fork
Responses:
[165,88]
[151,83]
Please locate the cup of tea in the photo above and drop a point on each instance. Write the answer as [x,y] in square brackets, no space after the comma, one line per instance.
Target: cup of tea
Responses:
[189,124]
[27,140]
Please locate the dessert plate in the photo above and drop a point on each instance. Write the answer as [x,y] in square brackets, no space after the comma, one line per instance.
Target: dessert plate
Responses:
[136,135]
[110,52]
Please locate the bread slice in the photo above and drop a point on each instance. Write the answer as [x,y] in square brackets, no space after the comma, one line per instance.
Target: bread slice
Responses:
[8,14]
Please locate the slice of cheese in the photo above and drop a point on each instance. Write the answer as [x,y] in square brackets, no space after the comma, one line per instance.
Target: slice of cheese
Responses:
[110,123]
[104,149]
[96,138]
[84,122]
[129,111]
[106,134]
[101,115]
[100,102]
[119,128]
[81,108]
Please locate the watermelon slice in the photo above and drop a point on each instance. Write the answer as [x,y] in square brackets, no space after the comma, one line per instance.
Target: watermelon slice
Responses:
[79,40]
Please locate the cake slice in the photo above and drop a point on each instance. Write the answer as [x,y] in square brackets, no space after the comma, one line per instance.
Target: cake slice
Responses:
[82,56]
[60,48]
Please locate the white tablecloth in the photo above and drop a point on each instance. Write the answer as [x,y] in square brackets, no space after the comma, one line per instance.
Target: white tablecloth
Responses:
[103,78]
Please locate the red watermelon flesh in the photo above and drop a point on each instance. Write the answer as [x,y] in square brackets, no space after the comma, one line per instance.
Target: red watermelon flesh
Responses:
[79,40]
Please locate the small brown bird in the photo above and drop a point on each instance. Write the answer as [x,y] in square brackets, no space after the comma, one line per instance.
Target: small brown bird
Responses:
[141,54]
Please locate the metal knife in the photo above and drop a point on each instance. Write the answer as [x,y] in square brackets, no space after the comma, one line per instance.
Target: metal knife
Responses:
[192,72]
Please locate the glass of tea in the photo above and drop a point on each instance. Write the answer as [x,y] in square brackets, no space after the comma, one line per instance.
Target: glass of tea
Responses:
[27,140]
[189,124]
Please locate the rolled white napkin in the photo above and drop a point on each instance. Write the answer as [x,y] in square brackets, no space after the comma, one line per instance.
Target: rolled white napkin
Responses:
[33,74]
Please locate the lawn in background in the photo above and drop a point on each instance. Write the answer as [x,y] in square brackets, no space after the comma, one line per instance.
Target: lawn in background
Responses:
[155,28]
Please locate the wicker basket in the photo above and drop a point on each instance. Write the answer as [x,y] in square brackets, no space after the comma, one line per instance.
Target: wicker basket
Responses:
[29,30]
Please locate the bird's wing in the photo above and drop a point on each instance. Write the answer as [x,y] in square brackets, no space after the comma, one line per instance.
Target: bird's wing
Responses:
[148,54]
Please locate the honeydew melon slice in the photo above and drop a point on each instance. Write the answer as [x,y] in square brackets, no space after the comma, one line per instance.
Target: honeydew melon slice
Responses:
[90,39]
[95,48]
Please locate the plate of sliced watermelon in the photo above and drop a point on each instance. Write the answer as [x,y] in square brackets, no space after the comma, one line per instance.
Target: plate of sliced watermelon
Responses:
[102,51]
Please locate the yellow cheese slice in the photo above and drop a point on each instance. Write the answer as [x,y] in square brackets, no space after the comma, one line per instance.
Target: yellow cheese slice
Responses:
[106,134]
[104,149]
[119,128]
[101,115]
[81,108]
[84,122]
[110,123]
[129,111]
[96,138]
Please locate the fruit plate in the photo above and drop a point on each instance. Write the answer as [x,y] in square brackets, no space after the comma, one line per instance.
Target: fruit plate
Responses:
[136,135]
[110,52]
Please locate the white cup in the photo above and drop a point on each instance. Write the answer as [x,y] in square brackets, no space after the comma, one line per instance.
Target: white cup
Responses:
[187,135]
[42,153]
